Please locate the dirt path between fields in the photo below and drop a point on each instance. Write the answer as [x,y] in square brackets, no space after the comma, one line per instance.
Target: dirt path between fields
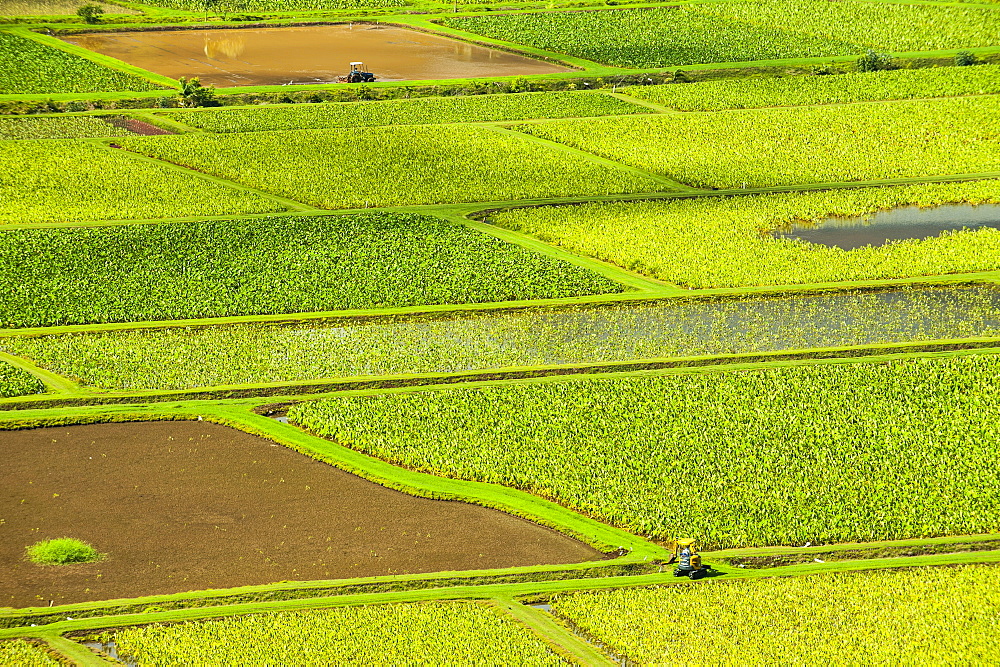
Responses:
[181,506]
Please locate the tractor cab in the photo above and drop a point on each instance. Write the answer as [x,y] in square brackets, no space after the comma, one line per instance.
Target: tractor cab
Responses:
[688,560]
[357,74]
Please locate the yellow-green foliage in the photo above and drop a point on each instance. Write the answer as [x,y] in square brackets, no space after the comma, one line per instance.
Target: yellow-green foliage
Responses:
[19,653]
[823,453]
[27,66]
[417,111]
[393,165]
[180,358]
[887,26]
[722,242]
[789,91]
[56,181]
[932,615]
[56,127]
[439,633]
[15,382]
[785,146]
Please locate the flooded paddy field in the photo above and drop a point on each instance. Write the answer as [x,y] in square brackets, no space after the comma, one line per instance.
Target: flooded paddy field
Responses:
[181,506]
[306,54]
[182,358]
[908,222]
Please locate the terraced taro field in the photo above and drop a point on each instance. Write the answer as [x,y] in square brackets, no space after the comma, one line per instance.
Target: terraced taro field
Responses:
[685,352]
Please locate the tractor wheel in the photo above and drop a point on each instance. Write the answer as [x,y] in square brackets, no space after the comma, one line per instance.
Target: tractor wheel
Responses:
[697,574]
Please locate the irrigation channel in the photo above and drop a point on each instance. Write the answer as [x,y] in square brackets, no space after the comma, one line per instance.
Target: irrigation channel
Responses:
[306,54]
[898,224]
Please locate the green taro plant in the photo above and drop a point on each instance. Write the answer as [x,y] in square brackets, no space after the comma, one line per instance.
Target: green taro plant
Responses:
[797,145]
[725,241]
[422,633]
[789,91]
[780,456]
[944,614]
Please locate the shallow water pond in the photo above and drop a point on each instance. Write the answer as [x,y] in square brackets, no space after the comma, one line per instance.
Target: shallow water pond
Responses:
[306,54]
[908,222]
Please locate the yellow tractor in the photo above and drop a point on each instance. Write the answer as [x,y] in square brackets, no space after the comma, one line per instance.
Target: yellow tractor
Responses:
[688,560]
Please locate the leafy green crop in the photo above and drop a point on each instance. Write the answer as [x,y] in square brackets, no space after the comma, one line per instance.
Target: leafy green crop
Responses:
[20,653]
[178,358]
[393,165]
[885,617]
[644,38]
[55,127]
[785,146]
[435,633]
[897,84]
[421,110]
[27,66]
[823,453]
[67,181]
[887,26]
[267,265]
[721,242]
[15,382]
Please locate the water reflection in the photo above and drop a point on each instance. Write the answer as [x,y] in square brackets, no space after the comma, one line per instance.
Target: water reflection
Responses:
[220,48]
[908,222]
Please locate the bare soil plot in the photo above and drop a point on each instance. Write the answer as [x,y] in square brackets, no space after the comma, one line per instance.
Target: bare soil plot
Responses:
[181,506]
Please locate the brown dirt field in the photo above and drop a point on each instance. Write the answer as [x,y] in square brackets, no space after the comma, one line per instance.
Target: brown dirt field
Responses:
[182,506]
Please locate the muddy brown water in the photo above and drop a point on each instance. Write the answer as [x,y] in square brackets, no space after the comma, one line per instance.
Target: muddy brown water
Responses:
[306,54]
[180,506]
[907,222]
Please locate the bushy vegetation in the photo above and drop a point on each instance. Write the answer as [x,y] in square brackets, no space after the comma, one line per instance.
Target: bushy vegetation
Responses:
[267,265]
[178,358]
[393,165]
[15,382]
[884,26]
[789,91]
[451,633]
[20,653]
[55,127]
[722,242]
[62,551]
[27,66]
[785,146]
[824,453]
[77,180]
[943,615]
[417,111]
[646,38]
